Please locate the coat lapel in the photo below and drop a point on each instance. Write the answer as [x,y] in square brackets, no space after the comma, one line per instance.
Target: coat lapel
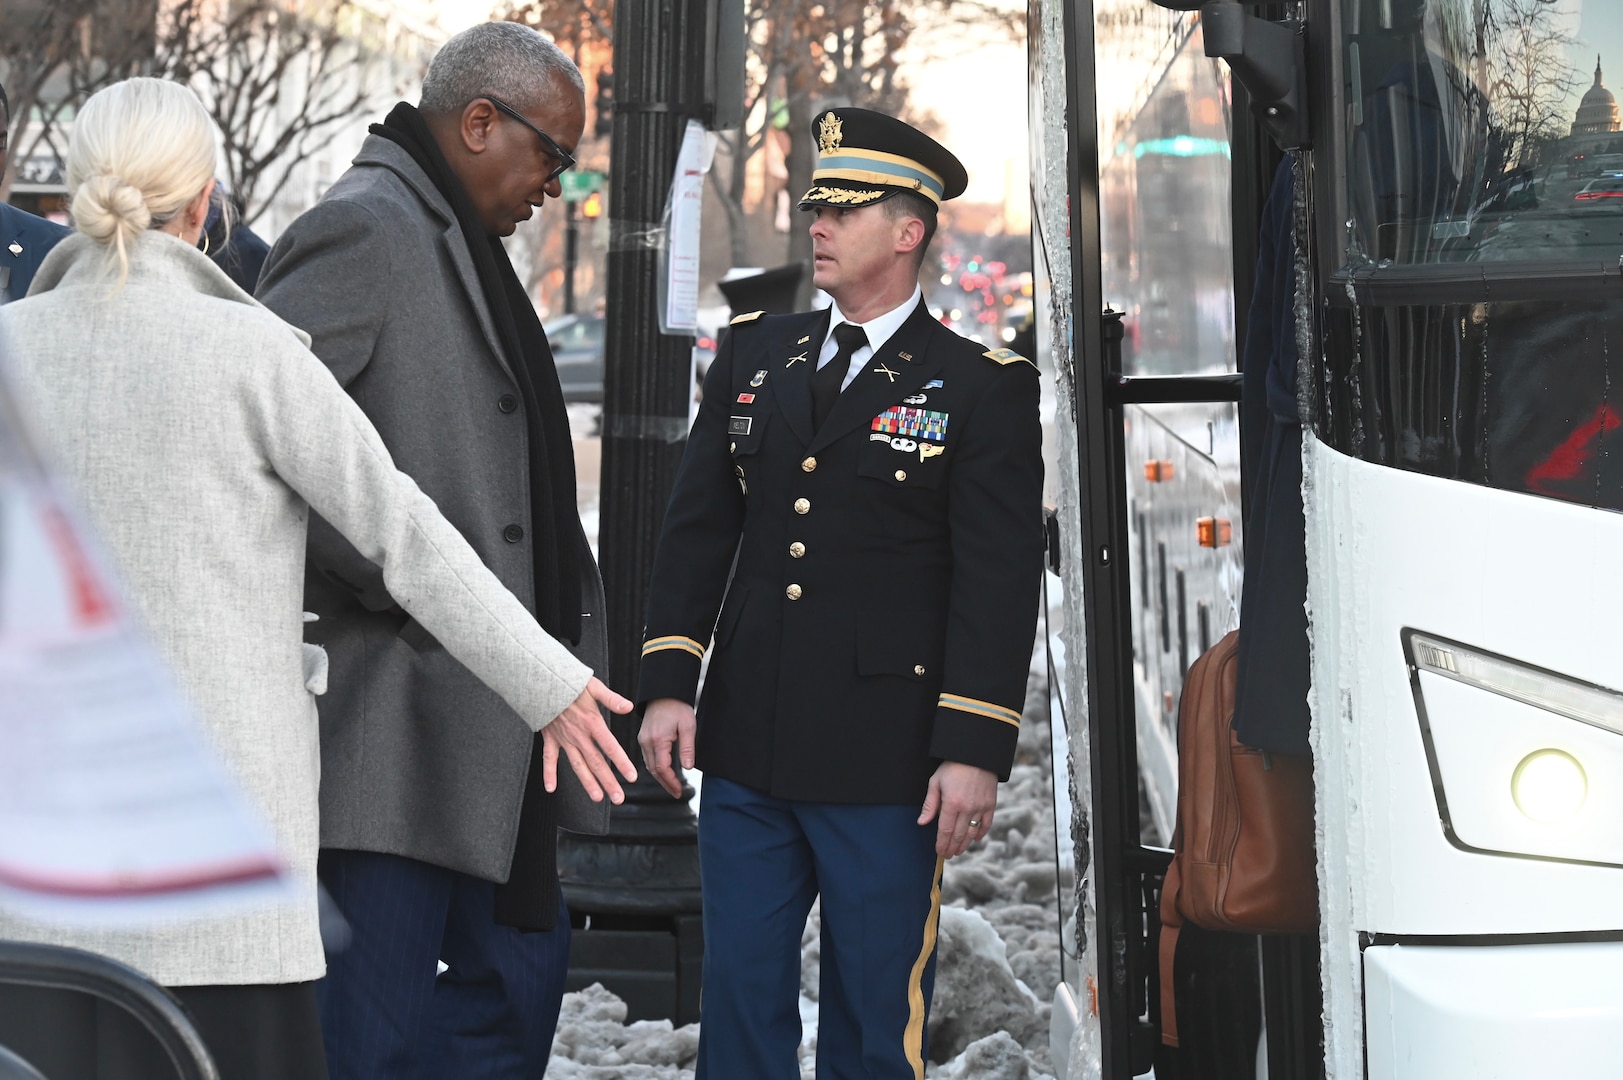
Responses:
[457,246]
[898,369]
[379,151]
[790,363]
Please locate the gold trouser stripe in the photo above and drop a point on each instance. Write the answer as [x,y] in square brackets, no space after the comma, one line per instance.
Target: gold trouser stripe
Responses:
[685,644]
[980,708]
[913,1038]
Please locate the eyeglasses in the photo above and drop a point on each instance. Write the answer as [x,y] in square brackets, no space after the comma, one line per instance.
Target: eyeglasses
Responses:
[566,160]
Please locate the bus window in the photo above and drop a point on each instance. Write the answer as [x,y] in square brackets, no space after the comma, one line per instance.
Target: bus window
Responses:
[1164,179]
[1482,131]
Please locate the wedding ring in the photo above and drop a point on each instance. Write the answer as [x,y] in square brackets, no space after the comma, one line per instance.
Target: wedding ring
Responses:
[974,823]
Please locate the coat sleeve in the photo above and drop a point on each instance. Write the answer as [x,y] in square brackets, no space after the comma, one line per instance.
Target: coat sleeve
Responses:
[321,444]
[995,514]
[331,275]
[702,526]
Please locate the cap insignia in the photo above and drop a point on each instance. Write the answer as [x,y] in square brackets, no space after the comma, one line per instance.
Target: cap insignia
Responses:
[828,134]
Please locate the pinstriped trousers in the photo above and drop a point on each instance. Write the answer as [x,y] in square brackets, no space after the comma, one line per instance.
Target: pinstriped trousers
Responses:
[385,1015]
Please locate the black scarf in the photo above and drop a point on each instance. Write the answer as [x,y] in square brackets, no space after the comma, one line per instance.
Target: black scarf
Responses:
[554,517]
[528,900]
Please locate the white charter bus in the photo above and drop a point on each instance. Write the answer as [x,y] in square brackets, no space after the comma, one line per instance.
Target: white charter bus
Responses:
[1445,252]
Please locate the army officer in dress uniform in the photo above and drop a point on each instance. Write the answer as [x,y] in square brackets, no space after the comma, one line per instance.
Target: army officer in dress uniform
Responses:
[879,479]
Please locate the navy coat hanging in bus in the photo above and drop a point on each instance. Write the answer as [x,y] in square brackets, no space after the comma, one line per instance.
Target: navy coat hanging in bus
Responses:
[1270,700]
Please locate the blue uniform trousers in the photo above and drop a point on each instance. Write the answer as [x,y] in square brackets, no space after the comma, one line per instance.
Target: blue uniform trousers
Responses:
[763,861]
[385,1014]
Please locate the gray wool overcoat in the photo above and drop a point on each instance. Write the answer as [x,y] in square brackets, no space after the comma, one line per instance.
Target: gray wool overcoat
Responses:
[418,757]
[201,433]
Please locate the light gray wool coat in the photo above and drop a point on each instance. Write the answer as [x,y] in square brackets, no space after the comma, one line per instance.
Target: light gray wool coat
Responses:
[200,431]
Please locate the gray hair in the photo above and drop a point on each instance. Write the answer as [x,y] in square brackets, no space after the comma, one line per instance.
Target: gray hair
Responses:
[507,59]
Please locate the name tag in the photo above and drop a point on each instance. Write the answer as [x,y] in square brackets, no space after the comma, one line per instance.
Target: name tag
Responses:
[738,425]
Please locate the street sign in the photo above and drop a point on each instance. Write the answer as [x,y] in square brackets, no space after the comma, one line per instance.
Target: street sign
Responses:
[578,184]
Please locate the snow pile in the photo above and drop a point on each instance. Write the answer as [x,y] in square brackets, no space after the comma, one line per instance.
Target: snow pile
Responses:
[594,1042]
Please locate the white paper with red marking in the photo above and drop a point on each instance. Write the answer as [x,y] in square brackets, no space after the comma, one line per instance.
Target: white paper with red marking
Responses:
[113,809]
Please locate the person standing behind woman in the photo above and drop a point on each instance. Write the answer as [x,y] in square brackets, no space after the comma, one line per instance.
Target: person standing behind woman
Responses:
[201,432]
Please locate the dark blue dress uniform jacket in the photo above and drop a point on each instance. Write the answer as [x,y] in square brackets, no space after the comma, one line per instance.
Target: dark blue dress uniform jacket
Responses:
[33,238]
[880,612]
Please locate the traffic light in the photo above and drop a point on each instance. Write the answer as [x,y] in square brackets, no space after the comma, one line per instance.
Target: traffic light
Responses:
[603,107]
[592,205]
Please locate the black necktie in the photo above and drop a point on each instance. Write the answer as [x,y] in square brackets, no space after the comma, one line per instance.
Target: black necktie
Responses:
[828,378]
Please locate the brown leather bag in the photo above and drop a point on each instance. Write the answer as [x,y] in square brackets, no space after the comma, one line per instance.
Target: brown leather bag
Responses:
[1243,856]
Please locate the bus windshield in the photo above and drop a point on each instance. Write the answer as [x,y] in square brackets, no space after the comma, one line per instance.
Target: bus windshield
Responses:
[1483,131]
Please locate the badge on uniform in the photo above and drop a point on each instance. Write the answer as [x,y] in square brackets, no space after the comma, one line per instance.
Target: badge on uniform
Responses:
[933,384]
[745,399]
[738,425]
[760,377]
[920,423]
[915,399]
[15,248]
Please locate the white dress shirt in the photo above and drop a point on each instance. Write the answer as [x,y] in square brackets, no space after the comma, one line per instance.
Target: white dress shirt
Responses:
[879,330]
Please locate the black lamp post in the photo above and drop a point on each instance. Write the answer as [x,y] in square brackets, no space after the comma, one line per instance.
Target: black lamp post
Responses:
[635,892]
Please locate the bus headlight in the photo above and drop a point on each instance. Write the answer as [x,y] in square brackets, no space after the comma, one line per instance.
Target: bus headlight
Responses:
[1497,727]
[1549,786]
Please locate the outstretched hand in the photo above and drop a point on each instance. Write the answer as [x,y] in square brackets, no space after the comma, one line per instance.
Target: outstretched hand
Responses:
[667,722]
[581,733]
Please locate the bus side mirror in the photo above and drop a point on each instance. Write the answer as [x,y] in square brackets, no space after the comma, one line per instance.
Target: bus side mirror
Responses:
[1269,59]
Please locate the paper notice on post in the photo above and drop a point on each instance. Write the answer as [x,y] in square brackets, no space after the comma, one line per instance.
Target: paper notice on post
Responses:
[113,808]
[680,312]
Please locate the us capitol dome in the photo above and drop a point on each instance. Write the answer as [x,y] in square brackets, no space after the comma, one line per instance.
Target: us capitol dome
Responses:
[1597,113]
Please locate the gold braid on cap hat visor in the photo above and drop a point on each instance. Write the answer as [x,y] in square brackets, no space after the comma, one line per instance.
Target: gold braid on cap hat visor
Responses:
[842,196]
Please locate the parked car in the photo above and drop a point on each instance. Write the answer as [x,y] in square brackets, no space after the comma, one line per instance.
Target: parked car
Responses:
[1603,191]
[577,349]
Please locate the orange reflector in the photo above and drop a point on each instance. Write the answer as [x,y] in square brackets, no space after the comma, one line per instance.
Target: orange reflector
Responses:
[1157,472]
[1214,532]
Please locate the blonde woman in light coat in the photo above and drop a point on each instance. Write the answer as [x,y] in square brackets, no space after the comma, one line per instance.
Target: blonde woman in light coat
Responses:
[200,431]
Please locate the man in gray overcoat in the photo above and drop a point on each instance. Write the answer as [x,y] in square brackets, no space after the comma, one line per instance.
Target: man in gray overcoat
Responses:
[438,839]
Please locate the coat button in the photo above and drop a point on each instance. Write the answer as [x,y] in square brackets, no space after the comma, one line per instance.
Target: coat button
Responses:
[918,669]
[732,448]
[507,403]
[797,549]
[792,592]
[809,465]
[512,534]
[802,506]
[901,474]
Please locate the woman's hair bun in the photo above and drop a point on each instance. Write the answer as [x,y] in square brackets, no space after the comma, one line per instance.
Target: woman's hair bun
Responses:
[107,209]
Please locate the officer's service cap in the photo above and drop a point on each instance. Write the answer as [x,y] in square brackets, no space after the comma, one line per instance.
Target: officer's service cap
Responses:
[865,157]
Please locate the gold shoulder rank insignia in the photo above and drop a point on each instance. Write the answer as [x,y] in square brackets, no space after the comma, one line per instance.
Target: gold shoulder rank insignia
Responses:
[747,317]
[1007,356]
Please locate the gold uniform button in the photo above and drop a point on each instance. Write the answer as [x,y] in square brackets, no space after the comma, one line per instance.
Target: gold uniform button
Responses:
[732,448]
[802,506]
[918,669]
[797,549]
[901,474]
[809,465]
[792,592]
